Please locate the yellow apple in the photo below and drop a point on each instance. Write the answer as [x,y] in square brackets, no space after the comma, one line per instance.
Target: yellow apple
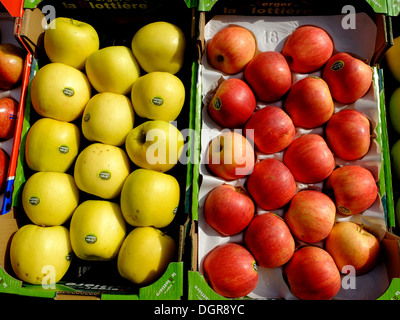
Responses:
[394,109]
[108,117]
[393,58]
[97,230]
[145,254]
[149,198]
[41,255]
[70,41]
[60,91]
[50,198]
[158,96]
[52,145]
[397,212]
[112,69]
[395,156]
[155,144]
[101,169]
[159,46]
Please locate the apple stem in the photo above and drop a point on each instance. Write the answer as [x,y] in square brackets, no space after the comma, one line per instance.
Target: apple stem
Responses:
[240,189]
[143,137]
[220,58]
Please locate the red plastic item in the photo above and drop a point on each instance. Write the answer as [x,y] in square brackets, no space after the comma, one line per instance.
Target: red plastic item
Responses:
[14,7]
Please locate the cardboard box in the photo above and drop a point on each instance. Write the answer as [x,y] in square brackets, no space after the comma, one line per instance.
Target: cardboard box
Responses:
[265,14]
[116,23]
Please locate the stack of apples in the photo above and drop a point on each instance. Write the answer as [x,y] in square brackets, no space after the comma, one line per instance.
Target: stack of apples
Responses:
[288,163]
[99,189]
[12,59]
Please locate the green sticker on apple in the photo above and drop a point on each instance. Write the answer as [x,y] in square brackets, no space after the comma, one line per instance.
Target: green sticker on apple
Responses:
[344,210]
[158,101]
[337,65]
[217,104]
[255,266]
[86,118]
[69,92]
[91,238]
[68,257]
[34,201]
[63,149]
[105,175]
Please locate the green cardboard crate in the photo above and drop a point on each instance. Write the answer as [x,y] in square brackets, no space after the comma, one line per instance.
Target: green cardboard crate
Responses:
[379,13]
[116,23]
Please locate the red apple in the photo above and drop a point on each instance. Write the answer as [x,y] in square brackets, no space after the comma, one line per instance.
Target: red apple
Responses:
[348,77]
[309,158]
[228,209]
[307,49]
[348,134]
[8,116]
[4,162]
[271,184]
[312,274]
[350,244]
[231,270]
[11,65]
[273,129]
[309,102]
[310,216]
[230,156]
[269,240]
[269,75]
[354,188]
[231,49]
[232,104]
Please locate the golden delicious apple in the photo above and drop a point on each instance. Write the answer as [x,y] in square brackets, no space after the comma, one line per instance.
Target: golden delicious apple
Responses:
[70,41]
[159,46]
[394,109]
[150,198]
[158,96]
[145,254]
[52,145]
[108,117]
[101,170]
[395,156]
[397,211]
[50,198]
[60,91]
[112,69]
[97,230]
[41,255]
[155,144]
[393,60]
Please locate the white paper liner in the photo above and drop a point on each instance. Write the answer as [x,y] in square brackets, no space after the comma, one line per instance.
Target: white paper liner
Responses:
[7,36]
[271,33]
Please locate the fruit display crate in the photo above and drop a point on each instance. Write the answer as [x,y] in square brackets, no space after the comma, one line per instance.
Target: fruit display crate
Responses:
[116,24]
[16,93]
[271,24]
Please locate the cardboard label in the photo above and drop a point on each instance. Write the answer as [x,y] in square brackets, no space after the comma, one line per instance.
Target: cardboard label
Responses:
[278,7]
[106,6]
